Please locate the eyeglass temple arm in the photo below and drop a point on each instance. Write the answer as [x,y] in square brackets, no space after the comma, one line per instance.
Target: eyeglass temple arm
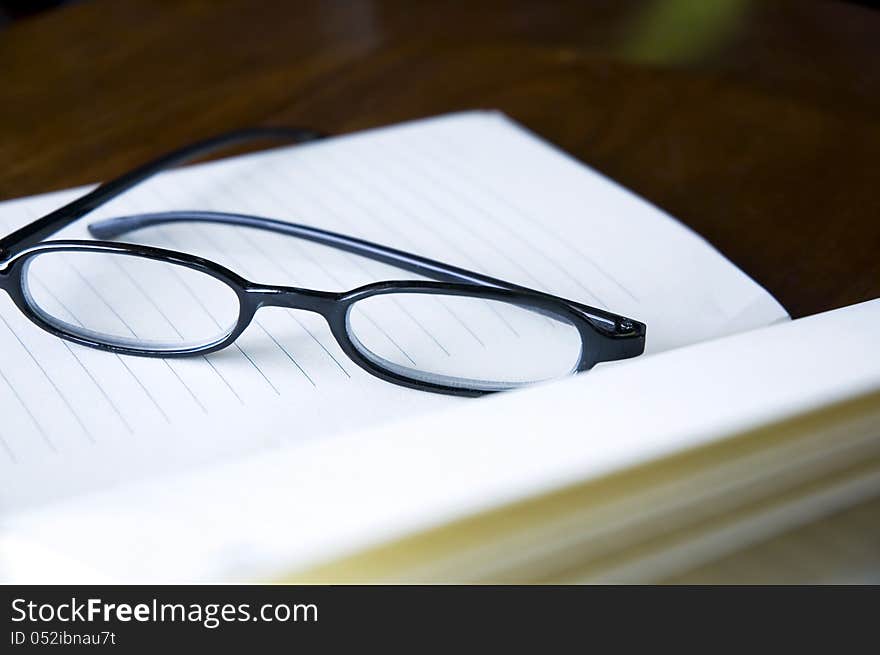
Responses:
[49,224]
[612,324]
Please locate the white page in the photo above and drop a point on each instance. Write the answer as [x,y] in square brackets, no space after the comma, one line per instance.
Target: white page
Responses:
[308,504]
[471,189]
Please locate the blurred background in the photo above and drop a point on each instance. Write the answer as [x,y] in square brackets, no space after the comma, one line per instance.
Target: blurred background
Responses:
[13,9]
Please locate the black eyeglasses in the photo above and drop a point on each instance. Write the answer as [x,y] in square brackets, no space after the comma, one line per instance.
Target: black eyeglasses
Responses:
[140,300]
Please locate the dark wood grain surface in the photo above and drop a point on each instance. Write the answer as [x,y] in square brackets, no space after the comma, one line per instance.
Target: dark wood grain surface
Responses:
[757,125]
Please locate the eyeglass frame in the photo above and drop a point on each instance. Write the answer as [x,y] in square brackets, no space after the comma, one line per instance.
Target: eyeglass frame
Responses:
[604,336]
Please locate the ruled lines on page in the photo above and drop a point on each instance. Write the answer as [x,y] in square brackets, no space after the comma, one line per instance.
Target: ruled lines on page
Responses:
[469,189]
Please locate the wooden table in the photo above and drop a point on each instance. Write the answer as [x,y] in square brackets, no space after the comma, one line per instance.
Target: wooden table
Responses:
[756,123]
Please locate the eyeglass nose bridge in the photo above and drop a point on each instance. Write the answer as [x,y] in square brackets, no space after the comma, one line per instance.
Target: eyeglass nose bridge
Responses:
[321,302]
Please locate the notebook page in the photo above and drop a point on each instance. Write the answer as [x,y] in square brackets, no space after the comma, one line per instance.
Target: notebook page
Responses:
[471,189]
[316,502]
[843,548]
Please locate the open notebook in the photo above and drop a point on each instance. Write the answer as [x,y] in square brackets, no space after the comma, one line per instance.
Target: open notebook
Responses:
[471,189]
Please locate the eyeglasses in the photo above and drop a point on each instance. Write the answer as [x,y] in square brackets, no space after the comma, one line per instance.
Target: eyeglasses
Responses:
[462,333]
